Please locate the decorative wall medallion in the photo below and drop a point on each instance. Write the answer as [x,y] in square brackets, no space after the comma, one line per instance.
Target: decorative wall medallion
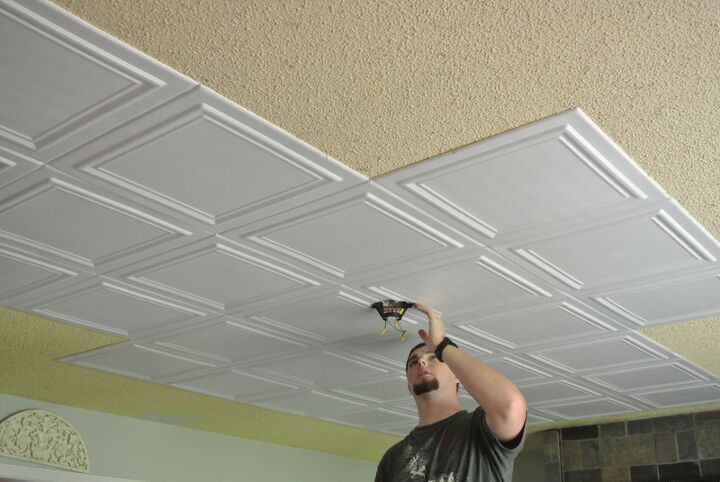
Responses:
[43,438]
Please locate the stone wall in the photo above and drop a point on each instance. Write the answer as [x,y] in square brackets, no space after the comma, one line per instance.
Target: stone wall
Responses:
[683,447]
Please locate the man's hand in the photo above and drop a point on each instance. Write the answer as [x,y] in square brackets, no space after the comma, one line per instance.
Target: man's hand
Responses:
[437,327]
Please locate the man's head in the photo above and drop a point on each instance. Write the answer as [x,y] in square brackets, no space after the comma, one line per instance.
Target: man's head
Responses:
[425,373]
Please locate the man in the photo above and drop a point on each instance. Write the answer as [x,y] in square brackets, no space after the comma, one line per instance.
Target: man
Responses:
[450,444]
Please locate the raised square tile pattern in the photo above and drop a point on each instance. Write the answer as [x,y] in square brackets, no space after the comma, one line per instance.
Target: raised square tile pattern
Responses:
[240,262]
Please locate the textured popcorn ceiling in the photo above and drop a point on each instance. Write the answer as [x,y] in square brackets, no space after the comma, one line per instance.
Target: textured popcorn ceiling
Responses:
[380,86]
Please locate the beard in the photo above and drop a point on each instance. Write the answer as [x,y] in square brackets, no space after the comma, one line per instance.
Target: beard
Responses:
[426,386]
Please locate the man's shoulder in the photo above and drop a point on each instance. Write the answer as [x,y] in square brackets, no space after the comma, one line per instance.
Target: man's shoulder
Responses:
[397,448]
[386,466]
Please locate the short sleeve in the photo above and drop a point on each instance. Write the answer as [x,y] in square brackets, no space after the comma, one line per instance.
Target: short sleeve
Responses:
[513,446]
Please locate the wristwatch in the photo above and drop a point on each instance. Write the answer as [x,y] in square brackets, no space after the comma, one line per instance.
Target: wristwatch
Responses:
[441,346]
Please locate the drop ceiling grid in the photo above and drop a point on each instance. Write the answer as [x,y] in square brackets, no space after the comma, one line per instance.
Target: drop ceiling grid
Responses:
[240,262]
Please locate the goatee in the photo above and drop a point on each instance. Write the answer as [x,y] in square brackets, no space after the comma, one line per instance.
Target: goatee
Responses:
[426,386]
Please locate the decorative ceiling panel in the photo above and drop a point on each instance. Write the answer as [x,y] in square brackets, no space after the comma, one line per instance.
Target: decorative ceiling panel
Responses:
[138,361]
[672,300]
[23,273]
[555,323]
[14,166]
[321,367]
[312,403]
[486,281]
[379,390]
[680,396]
[373,418]
[658,375]
[361,229]
[73,222]
[585,409]
[115,308]
[554,391]
[230,341]
[228,166]
[517,370]
[617,251]
[579,357]
[218,274]
[47,112]
[241,263]
[392,351]
[485,188]
[234,384]
[335,315]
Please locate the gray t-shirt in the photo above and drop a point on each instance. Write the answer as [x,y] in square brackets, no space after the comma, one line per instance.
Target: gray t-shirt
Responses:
[460,448]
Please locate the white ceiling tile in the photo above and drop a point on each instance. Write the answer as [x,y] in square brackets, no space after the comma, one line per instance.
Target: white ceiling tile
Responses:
[379,391]
[352,232]
[14,166]
[534,419]
[230,342]
[321,367]
[45,111]
[375,417]
[662,239]
[665,302]
[517,370]
[550,324]
[501,184]
[339,314]
[600,354]
[554,391]
[220,275]
[674,397]
[313,403]
[137,361]
[585,409]
[482,282]
[391,351]
[207,159]
[73,223]
[52,54]
[657,375]
[22,273]
[233,384]
[111,307]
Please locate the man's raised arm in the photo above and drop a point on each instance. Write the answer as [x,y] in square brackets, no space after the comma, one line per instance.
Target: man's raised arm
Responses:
[504,405]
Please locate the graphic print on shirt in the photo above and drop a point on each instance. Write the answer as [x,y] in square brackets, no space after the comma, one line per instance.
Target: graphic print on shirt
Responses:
[416,469]
[417,466]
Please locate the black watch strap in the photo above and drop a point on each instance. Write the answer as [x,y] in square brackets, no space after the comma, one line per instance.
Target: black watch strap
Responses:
[438,351]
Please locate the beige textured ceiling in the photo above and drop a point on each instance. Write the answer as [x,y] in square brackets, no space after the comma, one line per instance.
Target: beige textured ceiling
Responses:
[382,85]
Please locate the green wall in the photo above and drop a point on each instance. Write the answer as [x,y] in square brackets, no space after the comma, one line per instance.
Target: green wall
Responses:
[136,449]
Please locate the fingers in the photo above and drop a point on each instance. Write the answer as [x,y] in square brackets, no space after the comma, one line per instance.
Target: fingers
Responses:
[424,308]
[436,326]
